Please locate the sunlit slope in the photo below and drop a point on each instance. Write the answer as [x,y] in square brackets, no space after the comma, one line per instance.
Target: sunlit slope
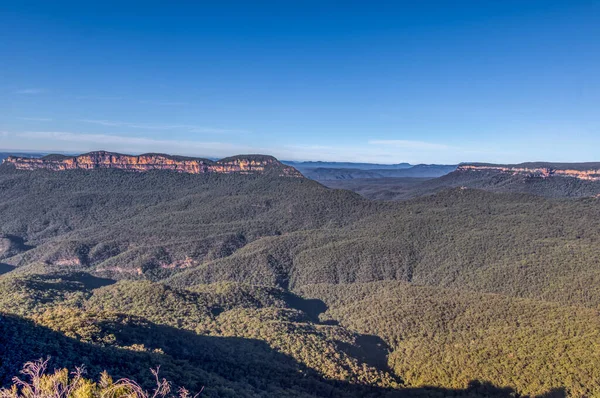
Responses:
[447,337]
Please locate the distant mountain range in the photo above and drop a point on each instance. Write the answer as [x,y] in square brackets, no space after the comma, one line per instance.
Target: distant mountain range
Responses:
[320,171]
[4,155]
[346,165]
[324,171]
[243,164]
[553,180]
[375,181]
[418,171]
[316,170]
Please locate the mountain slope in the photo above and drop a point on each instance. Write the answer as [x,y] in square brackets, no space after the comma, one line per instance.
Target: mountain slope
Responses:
[237,263]
[226,324]
[292,232]
[517,245]
[120,222]
[447,337]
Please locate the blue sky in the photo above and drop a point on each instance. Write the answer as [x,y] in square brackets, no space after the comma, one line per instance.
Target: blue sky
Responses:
[371,81]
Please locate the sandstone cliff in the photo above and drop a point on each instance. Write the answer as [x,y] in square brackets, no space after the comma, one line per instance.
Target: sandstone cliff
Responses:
[243,164]
[589,172]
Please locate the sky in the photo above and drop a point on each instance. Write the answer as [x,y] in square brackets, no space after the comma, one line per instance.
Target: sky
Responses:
[418,81]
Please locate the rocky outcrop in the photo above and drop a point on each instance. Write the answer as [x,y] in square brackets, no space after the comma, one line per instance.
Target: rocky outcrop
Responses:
[243,164]
[577,171]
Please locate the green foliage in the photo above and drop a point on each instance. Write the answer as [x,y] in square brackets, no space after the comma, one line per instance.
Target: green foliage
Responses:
[64,384]
[447,337]
[120,224]
[28,294]
[510,244]
[221,330]
[441,290]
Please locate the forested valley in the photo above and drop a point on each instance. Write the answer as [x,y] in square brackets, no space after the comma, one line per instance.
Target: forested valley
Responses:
[262,285]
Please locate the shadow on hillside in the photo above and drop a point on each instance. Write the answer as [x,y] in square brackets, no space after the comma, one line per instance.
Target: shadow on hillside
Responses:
[5,268]
[369,349]
[18,243]
[311,307]
[87,280]
[74,281]
[226,366]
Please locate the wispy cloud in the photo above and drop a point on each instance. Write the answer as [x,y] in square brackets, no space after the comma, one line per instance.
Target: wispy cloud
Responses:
[93,138]
[30,91]
[70,141]
[158,126]
[164,103]
[98,97]
[36,119]
[64,141]
[408,144]
[125,99]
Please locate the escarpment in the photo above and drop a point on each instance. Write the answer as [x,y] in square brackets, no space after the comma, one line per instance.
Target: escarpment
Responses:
[241,164]
[581,171]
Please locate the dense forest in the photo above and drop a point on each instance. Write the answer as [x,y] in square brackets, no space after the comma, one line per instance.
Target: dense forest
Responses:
[259,285]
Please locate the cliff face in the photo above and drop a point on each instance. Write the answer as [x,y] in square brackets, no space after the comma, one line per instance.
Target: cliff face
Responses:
[543,172]
[250,164]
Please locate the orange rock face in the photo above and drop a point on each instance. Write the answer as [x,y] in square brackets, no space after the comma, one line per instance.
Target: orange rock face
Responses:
[543,172]
[252,164]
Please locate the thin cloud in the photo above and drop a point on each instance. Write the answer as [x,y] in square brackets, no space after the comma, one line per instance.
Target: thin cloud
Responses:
[36,119]
[94,138]
[61,141]
[120,98]
[105,122]
[164,103]
[407,144]
[30,91]
[85,141]
[98,97]
[154,126]
[82,142]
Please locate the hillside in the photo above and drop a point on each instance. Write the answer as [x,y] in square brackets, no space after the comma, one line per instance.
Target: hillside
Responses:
[387,188]
[298,289]
[233,339]
[448,336]
[291,232]
[122,225]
